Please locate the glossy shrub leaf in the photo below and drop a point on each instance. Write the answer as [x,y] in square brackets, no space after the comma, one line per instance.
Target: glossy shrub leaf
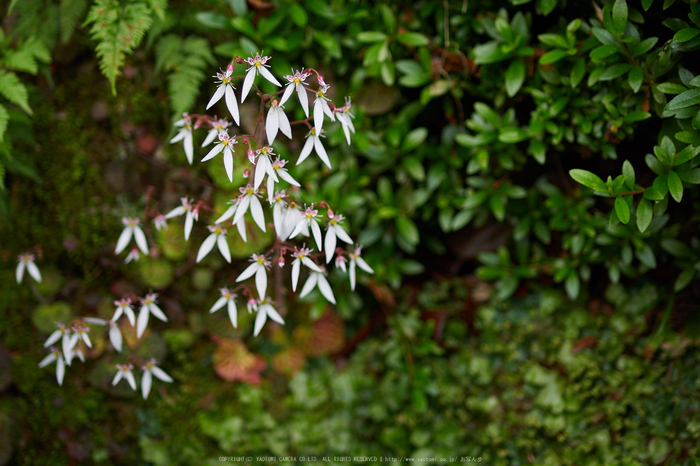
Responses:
[577,72]
[644,214]
[684,35]
[371,36]
[552,56]
[619,16]
[635,77]
[588,179]
[686,99]
[413,39]
[515,77]
[622,209]
[628,172]
[408,230]
[572,285]
[675,186]
[298,14]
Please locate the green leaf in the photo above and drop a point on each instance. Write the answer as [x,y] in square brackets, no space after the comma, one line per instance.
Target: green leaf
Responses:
[298,14]
[244,26]
[515,77]
[411,267]
[645,211]
[643,46]
[676,248]
[414,168]
[14,91]
[212,20]
[628,173]
[490,52]
[577,72]
[240,7]
[414,139]
[553,56]
[671,88]
[588,179]
[684,100]
[683,280]
[4,118]
[646,256]
[622,209]
[413,39]
[684,35]
[388,17]
[538,150]
[70,12]
[604,51]
[497,206]
[614,71]
[635,78]
[637,115]
[646,4]
[329,43]
[408,230]
[388,73]
[511,135]
[371,36]
[675,186]
[688,153]
[572,285]
[619,16]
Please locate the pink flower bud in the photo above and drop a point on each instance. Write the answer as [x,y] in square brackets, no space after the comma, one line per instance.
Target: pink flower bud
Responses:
[246,173]
[251,156]
[230,67]
[281,261]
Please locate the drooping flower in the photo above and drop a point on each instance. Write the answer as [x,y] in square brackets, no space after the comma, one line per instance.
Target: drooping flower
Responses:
[279,205]
[313,141]
[218,237]
[230,212]
[185,135]
[217,126]
[292,217]
[345,118]
[296,82]
[27,261]
[226,88]
[252,305]
[265,310]
[225,144]
[334,230]
[132,256]
[340,262]
[82,334]
[227,299]
[356,260]
[63,333]
[190,211]
[60,364]
[301,257]
[148,306]
[149,370]
[258,268]
[318,279]
[131,228]
[263,166]
[160,222]
[249,197]
[124,372]
[124,306]
[115,335]
[309,219]
[278,167]
[257,65]
[277,120]
[321,106]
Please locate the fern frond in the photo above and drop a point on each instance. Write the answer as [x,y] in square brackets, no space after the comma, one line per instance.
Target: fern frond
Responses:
[23,57]
[119,30]
[70,12]
[158,7]
[14,91]
[187,61]
[4,118]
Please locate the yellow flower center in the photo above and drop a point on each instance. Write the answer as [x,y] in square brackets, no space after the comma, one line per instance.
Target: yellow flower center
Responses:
[249,191]
[261,261]
[257,63]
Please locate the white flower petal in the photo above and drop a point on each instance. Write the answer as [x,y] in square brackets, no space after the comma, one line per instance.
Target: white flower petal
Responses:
[124,239]
[115,336]
[242,207]
[259,321]
[218,94]
[363,265]
[267,75]
[311,264]
[321,151]
[316,230]
[330,243]
[189,222]
[298,227]
[232,104]
[272,124]
[146,382]
[60,370]
[19,273]
[277,218]
[140,239]
[303,98]
[223,248]
[287,177]
[67,343]
[130,378]
[284,125]
[142,321]
[47,360]
[247,83]
[95,321]
[325,288]
[352,274]
[232,312]
[261,281]
[129,311]
[318,115]
[221,302]
[179,136]
[228,163]
[242,229]
[248,272]
[156,311]
[86,339]
[117,377]
[340,233]
[177,211]
[53,338]
[327,110]
[308,145]
[228,214]
[260,170]
[273,314]
[189,146]
[257,212]
[213,153]
[33,271]
[211,135]
[206,247]
[161,375]
[296,269]
[309,285]
[287,93]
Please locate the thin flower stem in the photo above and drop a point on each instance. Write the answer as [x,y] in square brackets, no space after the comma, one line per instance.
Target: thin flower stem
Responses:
[630,193]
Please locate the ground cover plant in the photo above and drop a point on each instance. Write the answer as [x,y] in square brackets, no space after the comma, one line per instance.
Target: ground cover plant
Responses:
[522,178]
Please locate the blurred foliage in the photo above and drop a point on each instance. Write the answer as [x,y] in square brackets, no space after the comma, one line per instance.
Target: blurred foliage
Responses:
[549,147]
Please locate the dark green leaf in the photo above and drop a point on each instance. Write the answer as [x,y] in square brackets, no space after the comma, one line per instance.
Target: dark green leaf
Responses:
[686,99]
[622,210]
[683,280]
[298,14]
[675,186]
[635,78]
[614,71]
[212,20]
[643,46]
[646,256]
[515,77]
[510,135]
[413,39]
[371,36]
[676,248]
[671,88]
[604,51]
[414,139]
[572,285]
[619,16]
[628,173]
[577,72]
[588,179]
[498,208]
[644,214]
[552,56]
[684,35]
[646,4]
[408,230]
[637,115]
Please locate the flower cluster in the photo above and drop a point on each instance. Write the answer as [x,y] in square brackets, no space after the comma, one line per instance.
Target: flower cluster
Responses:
[124,371]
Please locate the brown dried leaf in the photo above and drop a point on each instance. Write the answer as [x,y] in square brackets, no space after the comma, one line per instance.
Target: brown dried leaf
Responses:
[233,361]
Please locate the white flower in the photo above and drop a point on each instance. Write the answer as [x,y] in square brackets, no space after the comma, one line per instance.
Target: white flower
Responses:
[124,371]
[292,216]
[277,120]
[131,227]
[345,118]
[309,219]
[191,214]
[340,263]
[230,212]
[160,222]
[279,205]
[321,106]
[252,305]
[132,256]
[334,230]
[82,334]
[225,144]
[60,364]
[278,167]
[226,88]
[217,126]
[257,65]
[301,257]
[227,298]
[263,166]
[185,134]
[27,261]
[318,278]
[115,335]
[356,260]
[218,236]
[249,197]
[124,306]
[259,269]
[63,333]
[148,306]
[149,370]
[266,310]
[313,141]
[296,82]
